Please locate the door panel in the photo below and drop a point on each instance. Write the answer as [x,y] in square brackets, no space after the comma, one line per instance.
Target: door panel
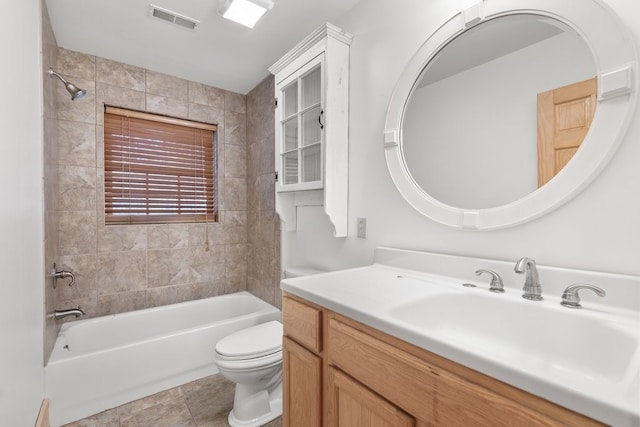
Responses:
[564,117]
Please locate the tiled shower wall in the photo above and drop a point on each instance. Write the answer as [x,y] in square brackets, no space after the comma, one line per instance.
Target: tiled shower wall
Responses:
[263,274]
[50,174]
[130,267]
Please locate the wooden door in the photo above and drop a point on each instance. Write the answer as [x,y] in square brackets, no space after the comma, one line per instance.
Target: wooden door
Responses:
[302,386]
[564,117]
[351,404]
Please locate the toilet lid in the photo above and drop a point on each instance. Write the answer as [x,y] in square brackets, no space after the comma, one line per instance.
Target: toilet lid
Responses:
[255,341]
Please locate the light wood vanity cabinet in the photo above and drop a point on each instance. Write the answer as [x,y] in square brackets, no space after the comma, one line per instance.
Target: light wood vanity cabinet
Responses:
[302,363]
[352,375]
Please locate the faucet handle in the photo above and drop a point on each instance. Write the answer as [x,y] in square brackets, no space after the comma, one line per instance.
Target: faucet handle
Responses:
[62,274]
[570,297]
[496,281]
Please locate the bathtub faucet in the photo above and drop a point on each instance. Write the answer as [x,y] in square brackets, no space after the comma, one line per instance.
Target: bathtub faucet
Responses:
[61,314]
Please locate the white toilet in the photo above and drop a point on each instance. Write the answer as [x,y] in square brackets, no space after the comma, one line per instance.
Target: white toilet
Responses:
[252,358]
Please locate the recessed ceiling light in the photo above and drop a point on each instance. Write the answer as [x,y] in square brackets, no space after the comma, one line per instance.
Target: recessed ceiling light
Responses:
[245,12]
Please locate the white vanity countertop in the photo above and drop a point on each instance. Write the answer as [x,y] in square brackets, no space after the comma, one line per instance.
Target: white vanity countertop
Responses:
[387,293]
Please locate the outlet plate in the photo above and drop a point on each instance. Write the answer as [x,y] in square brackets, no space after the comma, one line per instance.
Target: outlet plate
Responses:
[362,228]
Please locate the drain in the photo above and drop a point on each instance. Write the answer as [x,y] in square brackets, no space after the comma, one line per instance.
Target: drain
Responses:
[66,347]
[469,285]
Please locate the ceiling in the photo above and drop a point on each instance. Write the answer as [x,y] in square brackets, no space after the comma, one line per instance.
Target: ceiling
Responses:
[218,52]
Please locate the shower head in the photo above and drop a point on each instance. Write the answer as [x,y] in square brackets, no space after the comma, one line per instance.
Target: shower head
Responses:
[76,92]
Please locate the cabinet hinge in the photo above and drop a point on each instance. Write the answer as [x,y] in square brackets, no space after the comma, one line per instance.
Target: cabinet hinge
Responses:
[276,176]
[275,103]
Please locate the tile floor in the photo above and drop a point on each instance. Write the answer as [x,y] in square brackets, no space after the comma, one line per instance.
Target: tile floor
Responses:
[202,403]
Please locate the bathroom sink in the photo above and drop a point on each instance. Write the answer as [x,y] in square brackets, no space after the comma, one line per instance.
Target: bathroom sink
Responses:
[587,360]
[541,337]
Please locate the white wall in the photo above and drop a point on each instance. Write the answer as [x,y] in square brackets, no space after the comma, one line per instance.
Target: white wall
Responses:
[597,230]
[21,225]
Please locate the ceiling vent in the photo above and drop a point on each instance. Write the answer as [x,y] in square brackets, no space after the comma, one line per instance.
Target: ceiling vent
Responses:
[174,18]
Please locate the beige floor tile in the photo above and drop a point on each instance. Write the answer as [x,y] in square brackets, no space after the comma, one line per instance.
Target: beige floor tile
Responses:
[169,414]
[108,418]
[210,400]
[148,402]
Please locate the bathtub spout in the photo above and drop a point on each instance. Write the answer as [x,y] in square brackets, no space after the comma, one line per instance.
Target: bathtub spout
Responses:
[61,314]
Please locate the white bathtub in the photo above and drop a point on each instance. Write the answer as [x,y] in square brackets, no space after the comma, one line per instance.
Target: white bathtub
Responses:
[104,362]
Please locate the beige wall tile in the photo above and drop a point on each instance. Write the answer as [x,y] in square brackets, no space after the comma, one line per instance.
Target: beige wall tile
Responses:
[263,232]
[174,294]
[77,188]
[167,86]
[235,102]
[235,128]
[235,194]
[119,74]
[122,272]
[117,238]
[207,266]
[235,161]
[207,114]
[168,106]
[168,236]
[129,267]
[77,232]
[117,96]
[50,161]
[119,303]
[206,95]
[76,144]
[76,65]
[169,267]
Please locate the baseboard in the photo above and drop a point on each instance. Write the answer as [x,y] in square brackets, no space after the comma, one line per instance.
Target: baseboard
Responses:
[43,415]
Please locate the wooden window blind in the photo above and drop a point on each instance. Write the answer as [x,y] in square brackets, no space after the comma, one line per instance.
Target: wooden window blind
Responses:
[158,169]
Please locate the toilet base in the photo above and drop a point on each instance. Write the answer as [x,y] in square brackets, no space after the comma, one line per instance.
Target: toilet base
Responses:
[255,409]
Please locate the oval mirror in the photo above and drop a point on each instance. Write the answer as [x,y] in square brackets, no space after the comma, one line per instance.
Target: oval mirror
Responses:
[502,116]
[470,129]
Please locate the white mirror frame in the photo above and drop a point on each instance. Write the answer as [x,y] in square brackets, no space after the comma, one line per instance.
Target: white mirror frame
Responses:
[616,66]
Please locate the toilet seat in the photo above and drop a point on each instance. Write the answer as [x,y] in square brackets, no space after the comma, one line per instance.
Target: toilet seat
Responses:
[256,342]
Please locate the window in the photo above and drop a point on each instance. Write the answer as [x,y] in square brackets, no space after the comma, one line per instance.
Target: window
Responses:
[158,169]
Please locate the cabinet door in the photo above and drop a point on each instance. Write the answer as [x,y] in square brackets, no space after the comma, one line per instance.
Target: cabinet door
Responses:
[353,405]
[299,132]
[302,382]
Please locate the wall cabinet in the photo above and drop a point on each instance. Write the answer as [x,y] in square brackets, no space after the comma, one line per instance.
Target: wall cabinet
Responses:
[367,377]
[311,126]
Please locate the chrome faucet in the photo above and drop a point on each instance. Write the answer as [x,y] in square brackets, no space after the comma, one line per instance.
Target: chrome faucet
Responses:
[570,297]
[496,284]
[532,289]
[61,314]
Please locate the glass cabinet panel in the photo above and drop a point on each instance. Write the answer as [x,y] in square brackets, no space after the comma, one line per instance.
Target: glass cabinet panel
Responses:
[311,86]
[301,125]
[311,163]
[290,100]
[290,137]
[311,131]
[290,161]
